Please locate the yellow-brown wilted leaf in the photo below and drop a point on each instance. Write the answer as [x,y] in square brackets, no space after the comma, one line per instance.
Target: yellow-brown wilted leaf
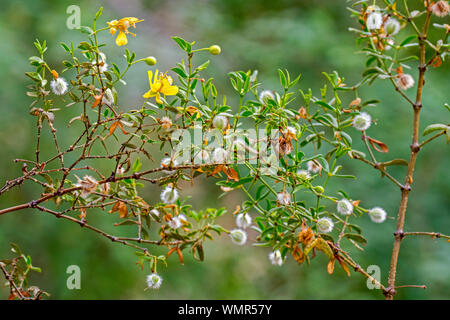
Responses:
[344,266]
[378,145]
[323,246]
[309,247]
[330,266]
[238,208]
[121,127]
[123,211]
[298,255]
[115,207]
[231,174]
[306,234]
[171,251]
[355,102]
[180,256]
[97,98]
[113,127]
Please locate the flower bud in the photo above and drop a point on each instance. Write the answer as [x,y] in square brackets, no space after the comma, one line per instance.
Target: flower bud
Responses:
[151,61]
[215,50]
[220,122]
[319,189]
[243,220]
[238,236]
[392,26]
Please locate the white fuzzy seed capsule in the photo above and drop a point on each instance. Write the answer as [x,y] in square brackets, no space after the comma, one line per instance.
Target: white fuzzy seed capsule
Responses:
[238,236]
[377,214]
[108,97]
[325,225]
[276,258]
[362,121]
[303,174]
[155,212]
[405,81]
[284,198]
[440,8]
[392,26]
[154,281]
[313,166]
[58,86]
[220,155]
[344,207]
[174,223]
[220,122]
[243,221]
[169,195]
[374,21]
[265,95]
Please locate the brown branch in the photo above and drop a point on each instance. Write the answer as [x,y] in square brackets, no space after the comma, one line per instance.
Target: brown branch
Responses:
[415,148]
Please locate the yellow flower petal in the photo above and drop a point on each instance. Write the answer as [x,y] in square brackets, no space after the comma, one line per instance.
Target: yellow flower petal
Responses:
[150,76]
[149,94]
[170,90]
[121,39]
[158,98]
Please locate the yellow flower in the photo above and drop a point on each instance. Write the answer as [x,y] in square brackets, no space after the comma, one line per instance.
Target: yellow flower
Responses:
[122,25]
[162,84]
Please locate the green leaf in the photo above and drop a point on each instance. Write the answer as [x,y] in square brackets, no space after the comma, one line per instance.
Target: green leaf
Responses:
[435,127]
[408,40]
[99,13]
[356,237]
[136,165]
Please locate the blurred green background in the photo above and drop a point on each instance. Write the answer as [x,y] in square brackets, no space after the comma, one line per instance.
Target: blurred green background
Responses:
[305,37]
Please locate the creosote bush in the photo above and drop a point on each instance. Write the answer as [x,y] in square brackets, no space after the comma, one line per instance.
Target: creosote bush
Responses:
[280,147]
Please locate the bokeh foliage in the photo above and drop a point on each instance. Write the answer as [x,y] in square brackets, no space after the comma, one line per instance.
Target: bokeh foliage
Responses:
[305,37]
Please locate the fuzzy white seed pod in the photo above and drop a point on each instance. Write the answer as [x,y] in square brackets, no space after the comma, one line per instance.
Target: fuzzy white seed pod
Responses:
[303,174]
[155,212]
[265,95]
[284,198]
[238,236]
[377,214]
[405,81]
[374,21]
[276,258]
[392,26]
[313,166]
[220,122]
[108,97]
[168,162]
[243,221]
[154,281]
[220,155]
[440,8]
[58,86]
[169,195]
[325,225]
[174,223]
[344,207]
[362,121]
